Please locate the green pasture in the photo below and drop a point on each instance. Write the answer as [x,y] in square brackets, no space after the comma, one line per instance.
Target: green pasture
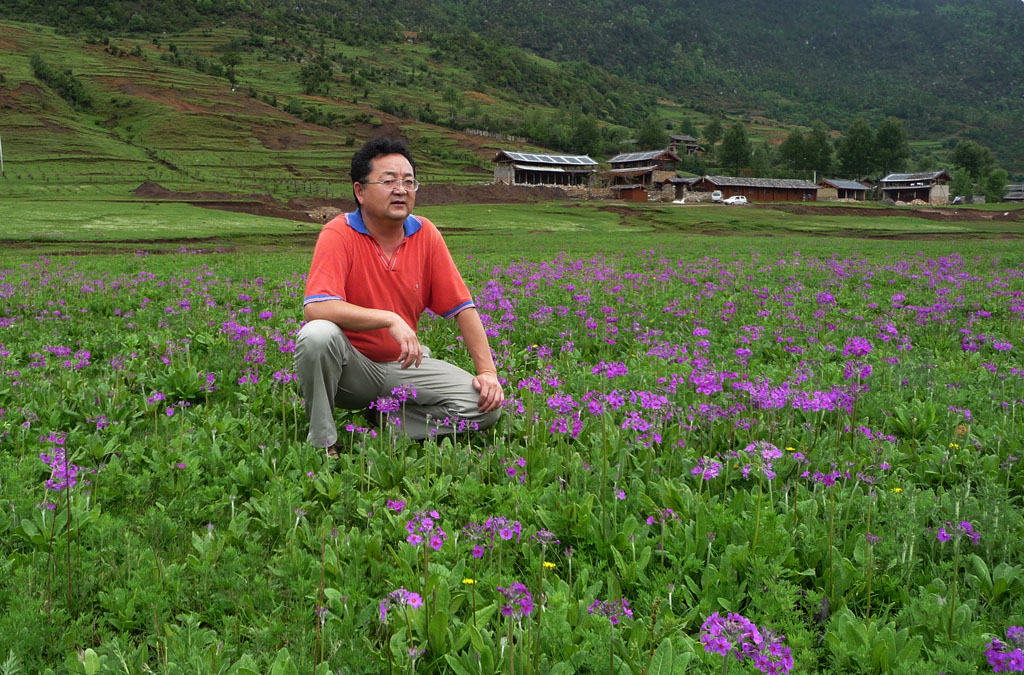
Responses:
[503,231]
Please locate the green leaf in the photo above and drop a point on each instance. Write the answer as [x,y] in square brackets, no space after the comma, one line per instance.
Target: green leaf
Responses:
[457,666]
[662,662]
[91,662]
[437,633]
[283,664]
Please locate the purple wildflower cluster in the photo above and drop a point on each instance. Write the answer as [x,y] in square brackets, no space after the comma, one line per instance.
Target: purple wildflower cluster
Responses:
[399,598]
[518,601]
[1007,657]
[663,516]
[422,528]
[961,529]
[515,467]
[495,528]
[614,610]
[63,474]
[706,468]
[740,637]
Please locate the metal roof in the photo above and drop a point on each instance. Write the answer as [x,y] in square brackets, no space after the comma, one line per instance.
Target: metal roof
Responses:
[762,182]
[683,138]
[634,169]
[565,160]
[922,175]
[549,169]
[639,156]
[844,184]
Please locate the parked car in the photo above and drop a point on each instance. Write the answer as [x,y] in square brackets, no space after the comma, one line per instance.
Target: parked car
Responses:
[716,196]
[736,199]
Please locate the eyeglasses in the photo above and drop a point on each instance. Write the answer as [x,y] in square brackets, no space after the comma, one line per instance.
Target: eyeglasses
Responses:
[391,184]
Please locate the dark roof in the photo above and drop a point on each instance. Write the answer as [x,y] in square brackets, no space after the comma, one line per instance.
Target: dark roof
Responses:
[642,156]
[843,184]
[784,183]
[683,138]
[634,170]
[920,176]
[530,158]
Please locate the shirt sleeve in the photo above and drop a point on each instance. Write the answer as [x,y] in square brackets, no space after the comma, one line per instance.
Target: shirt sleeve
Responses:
[448,292]
[328,272]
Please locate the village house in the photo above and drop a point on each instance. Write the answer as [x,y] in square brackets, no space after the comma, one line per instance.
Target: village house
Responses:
[760,189]
[830,189]
[636,174]
[524,168]
[931,187]
[682,144]
[1014,193]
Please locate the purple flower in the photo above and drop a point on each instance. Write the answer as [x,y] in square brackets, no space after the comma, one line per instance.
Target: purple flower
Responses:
[422,523]
[518,601]
[961,529]
[613,609]
[857,346]
[399,597]
[737,635]
[1006,657]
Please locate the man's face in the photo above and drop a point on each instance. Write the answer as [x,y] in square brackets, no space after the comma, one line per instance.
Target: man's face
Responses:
[377,201]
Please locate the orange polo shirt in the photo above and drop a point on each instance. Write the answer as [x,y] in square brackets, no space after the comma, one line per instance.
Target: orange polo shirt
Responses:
[349,264]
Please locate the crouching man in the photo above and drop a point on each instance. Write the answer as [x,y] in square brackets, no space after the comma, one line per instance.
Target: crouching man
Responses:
[374,271]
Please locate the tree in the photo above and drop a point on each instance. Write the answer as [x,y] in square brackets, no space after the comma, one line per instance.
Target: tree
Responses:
[792,153]
[856,149]
[891,147]
[688,127]
[713,132]
[584,136]
[961,184]
[453,98]
[735,151]
[761,160]
[651,134]
[973,158]
[818,149]
[995,185]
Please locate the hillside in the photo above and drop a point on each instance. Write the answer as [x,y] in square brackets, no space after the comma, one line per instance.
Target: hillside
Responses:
[273,98]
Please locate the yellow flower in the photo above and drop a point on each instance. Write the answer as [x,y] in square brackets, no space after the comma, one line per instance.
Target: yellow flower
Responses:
[954,446]
[897,490]
[790,448]
[549,565]
[469,581]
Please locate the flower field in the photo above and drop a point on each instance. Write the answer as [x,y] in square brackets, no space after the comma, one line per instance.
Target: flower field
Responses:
[742,460]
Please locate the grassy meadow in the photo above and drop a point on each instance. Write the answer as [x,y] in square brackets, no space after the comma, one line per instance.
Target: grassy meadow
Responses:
[735,440]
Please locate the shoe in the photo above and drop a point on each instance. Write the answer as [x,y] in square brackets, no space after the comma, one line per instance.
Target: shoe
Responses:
[332,452]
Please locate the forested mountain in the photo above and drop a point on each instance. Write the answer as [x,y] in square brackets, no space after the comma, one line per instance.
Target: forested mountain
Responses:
[948,68]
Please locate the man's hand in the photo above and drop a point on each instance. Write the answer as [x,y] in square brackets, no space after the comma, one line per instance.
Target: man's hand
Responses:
[491,393]
[412,350]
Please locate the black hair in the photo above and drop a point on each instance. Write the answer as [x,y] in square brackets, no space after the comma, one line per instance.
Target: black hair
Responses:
[362,161]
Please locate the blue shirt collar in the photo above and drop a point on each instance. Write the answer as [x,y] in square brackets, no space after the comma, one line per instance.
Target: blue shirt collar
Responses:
[355,221]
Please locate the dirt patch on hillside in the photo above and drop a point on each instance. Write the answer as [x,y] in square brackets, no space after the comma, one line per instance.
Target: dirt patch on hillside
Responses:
[174,98]
[279,139]
[490,193]
[9,98]
[9,38]
[319,210]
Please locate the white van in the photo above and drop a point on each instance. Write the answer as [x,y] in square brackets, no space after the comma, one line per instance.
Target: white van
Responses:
[716,196]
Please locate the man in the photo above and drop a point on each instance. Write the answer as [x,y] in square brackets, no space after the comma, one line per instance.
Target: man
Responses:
[373,273]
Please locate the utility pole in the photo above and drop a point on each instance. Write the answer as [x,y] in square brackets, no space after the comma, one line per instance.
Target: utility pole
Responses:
[3,173]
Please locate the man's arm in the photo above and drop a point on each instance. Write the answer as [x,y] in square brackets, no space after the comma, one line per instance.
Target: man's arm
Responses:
[356,318]
[486,380]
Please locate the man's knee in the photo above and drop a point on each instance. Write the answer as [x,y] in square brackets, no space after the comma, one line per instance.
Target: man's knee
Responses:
[316,336]
[489,419]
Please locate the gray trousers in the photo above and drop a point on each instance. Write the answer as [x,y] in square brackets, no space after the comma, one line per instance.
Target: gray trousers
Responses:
[334,374]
